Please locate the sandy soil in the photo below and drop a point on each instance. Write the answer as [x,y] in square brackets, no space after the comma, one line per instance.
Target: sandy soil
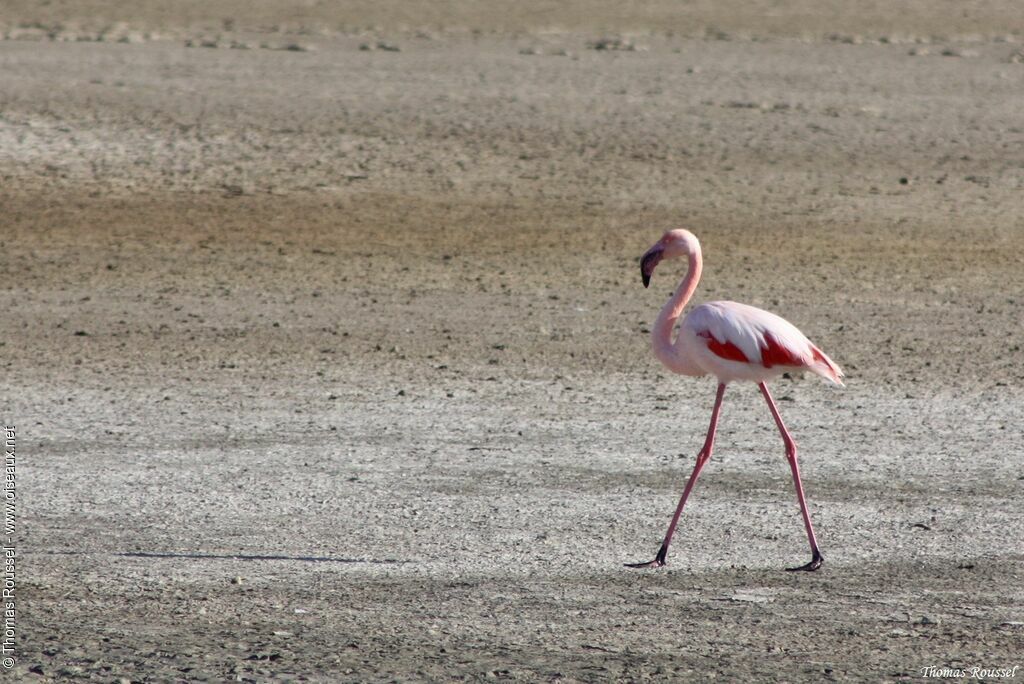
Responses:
[328,355]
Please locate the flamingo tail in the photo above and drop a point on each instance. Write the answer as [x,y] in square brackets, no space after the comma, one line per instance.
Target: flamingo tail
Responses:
[825,367]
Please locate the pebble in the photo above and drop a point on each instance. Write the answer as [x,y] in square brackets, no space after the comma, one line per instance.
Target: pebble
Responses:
[380,45]
[614,44]
[958,52]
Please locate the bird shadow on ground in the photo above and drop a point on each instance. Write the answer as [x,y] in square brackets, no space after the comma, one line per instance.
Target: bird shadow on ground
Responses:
[257,557]
[239,556]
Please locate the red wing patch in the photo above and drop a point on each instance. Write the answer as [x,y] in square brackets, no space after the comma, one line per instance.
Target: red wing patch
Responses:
[775,354]
[727,350]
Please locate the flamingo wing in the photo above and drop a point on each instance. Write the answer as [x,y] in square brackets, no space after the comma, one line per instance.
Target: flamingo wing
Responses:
[748,335]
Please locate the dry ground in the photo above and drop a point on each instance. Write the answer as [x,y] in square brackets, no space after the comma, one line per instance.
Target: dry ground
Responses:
[327,352]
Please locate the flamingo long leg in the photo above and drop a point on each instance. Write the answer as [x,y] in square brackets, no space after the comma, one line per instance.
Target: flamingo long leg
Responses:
[702,458]
[816,557]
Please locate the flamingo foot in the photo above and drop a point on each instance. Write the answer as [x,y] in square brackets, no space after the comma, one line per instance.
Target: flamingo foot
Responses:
[658,562]
[815,563]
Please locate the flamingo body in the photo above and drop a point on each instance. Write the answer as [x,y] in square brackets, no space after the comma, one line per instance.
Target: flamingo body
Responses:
[735,341]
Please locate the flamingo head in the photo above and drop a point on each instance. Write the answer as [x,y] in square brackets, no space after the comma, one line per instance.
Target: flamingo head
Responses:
[672,245]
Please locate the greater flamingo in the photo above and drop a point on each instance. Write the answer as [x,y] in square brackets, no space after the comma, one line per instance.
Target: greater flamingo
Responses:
[732,342]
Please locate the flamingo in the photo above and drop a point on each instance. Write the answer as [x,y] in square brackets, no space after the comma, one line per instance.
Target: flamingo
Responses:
[732,342]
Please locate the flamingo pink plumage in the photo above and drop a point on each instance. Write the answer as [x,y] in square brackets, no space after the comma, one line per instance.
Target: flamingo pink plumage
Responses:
[732,342]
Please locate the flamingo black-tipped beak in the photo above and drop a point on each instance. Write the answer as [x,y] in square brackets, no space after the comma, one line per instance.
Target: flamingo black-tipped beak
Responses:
[649,261]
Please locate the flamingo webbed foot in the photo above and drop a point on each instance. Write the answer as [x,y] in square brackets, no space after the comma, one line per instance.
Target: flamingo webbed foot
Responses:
[816,560]
[658,562]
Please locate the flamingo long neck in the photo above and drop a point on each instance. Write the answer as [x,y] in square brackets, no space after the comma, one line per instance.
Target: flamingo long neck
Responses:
[670,354]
